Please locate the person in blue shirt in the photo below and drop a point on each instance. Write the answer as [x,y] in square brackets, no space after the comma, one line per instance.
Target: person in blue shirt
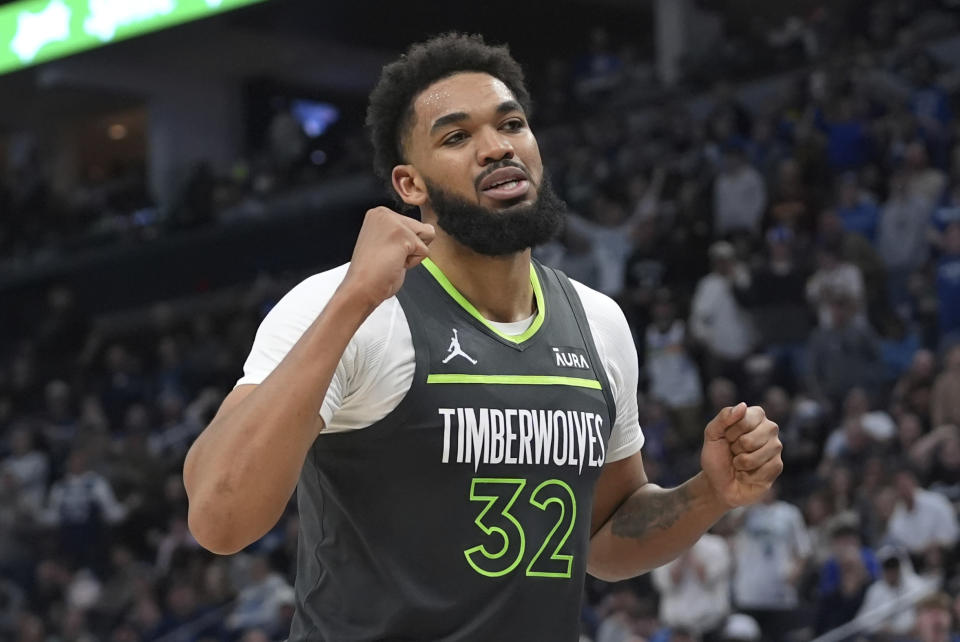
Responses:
[857,209]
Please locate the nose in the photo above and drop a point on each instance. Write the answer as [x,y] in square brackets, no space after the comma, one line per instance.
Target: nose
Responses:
[492,146]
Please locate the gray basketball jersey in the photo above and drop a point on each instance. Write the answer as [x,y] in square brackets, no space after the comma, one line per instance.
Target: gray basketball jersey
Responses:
[464,514]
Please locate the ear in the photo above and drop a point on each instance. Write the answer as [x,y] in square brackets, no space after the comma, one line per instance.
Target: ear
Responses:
[409,185]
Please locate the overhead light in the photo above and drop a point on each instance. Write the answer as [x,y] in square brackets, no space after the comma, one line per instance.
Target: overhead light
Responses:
[117,131]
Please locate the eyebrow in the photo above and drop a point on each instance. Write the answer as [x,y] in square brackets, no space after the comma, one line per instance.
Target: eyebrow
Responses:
[457,116]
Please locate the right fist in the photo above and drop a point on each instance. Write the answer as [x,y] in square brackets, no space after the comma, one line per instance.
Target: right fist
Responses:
[388,245]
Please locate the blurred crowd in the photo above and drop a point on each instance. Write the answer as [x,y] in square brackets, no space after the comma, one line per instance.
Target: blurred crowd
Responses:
[802,253]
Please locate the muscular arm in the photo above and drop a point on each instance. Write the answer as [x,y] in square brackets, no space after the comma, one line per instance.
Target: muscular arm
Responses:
[638,526]
[651,526]
[242,470]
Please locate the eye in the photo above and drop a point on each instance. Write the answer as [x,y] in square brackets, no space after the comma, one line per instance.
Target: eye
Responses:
[454,138]
[514,124]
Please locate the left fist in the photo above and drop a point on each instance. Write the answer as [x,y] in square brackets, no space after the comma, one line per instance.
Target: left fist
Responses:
[741,454]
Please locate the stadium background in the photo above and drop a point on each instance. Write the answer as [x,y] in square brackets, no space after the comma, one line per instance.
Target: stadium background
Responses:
[770,190]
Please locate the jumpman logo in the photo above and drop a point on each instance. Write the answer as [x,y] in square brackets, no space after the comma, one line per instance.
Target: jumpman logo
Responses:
[456,351]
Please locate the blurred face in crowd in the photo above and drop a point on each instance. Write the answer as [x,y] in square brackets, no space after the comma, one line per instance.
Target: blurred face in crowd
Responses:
[884,502]
[829,225]
[182,600]
[474,166]
[844,545]
[951,239]
[953,359]
[924,363]
[776,402]
[909,430]
[906,485]
[77,462]
[722,392]
[949,453]
[891,571]
[856,403]
[933,623]
[843,309]
[849,193]
[21,441]
[663,314]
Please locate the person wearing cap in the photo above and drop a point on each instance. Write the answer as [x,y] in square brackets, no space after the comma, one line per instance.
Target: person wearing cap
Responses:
[740,627]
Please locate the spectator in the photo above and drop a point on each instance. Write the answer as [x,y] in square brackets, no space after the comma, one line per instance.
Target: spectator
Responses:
[935,620]
[923,182]
[859,430]
[28,466]
[857,208]
[770,552]
[717,320]
[848,143]
[792,204]
[608,233]
[844,580]
[945,401]
[739,195]
[902,239]
[695,588]
[948,285]
[921,519]
[842,356]
[648,269]
[913,390]
[259,602]
[775,299]
[834,278]
[82,506]
[674,378]
[855,250]
[896,581]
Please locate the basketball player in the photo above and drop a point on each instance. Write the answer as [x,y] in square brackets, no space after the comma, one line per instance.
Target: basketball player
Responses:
[461,421]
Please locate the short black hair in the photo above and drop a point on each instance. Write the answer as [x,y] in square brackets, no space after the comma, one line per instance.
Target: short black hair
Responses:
[390,112]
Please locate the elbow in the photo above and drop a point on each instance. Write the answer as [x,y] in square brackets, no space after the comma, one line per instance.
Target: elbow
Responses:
[608,573]
[213,533]
[611,570]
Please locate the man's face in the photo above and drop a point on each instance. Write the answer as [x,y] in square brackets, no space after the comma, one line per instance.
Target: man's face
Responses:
[474,166]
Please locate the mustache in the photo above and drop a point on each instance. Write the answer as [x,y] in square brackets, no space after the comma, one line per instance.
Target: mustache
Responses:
[500,164]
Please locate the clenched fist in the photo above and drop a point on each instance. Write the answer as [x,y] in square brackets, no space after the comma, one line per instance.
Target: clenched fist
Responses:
[741,454]
[388,245]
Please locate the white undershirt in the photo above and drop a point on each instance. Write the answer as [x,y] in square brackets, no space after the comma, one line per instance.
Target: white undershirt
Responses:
[377,367]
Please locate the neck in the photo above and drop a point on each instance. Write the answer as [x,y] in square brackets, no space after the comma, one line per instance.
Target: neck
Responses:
[497,286]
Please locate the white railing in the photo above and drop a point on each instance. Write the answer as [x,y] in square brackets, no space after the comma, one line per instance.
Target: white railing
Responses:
[869,620]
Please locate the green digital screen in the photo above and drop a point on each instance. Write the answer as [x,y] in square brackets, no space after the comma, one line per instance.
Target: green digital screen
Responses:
[35,31]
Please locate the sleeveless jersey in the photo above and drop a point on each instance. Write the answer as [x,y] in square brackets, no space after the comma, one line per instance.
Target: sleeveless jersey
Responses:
[464,514]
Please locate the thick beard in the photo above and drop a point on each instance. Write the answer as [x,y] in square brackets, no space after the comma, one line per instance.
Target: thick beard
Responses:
[499,232]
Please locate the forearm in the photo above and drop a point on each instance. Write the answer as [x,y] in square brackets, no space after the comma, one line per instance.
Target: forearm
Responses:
[242,470]
[652,527]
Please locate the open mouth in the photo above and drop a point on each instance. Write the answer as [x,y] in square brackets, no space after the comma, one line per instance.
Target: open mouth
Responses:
[506,183]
